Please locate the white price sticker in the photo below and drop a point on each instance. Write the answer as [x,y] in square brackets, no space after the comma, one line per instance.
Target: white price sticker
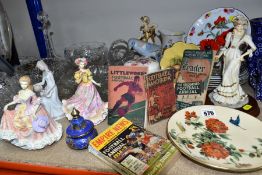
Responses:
[208,112]
[134,164]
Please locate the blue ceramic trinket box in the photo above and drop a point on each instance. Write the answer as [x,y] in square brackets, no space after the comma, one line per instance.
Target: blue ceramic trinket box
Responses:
[79,132]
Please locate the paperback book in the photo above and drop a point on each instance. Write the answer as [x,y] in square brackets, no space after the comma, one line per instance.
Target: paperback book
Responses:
[132,150]
[160,95]
[193,79]
[126,94]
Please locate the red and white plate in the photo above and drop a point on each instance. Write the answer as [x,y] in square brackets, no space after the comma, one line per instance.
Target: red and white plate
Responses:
[219,137]
[213,23]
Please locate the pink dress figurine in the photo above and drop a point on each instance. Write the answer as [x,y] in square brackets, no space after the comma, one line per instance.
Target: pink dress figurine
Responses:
[86,98]
[28,125]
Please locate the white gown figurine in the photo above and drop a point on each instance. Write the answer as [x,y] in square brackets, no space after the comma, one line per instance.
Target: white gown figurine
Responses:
[49,95]
[29,125]
[229,93]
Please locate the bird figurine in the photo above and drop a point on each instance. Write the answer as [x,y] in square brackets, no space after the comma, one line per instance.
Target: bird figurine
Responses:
[145,49]
[236,122]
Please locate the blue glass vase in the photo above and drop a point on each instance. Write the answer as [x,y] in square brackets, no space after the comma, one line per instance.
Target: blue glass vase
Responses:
[79,132]
[255,62]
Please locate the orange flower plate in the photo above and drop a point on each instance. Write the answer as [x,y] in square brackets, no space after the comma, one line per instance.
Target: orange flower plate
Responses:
[218,137]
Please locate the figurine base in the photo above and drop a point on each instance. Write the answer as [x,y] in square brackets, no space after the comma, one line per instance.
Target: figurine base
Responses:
[250,108]
[239,104]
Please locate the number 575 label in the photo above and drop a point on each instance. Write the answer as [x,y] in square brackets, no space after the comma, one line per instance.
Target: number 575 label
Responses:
[208,112]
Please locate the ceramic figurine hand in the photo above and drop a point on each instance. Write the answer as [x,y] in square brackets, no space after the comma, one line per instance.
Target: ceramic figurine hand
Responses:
[5,108]
[98,84]
[42,93]
[242,58]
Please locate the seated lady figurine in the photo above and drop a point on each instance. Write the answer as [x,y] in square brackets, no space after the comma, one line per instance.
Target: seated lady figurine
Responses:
[49,95]
[86,98]
[28,126]
[229,93]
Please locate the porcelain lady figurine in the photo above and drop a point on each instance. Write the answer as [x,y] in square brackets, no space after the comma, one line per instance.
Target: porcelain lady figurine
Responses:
[86,98]
[229,93]
[28,126]
[49,95]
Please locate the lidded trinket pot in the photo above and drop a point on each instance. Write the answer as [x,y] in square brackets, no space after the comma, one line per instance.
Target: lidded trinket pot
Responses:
[80,131]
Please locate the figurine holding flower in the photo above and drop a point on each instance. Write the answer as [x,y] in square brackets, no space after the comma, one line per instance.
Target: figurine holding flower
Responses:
[86,98]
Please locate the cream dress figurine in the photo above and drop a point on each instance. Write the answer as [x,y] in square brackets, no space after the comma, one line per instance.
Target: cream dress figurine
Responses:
[229,93]
[49,95]
[28,125]
[86,98]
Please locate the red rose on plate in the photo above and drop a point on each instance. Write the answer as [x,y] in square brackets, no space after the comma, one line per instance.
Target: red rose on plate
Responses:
[221,39]
[220,20]
[216,126]
[224,34]
[189,115]
[214,150]
[209,44]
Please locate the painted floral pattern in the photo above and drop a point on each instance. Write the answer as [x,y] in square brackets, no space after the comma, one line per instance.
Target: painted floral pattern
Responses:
[210,29]
[214,125]
[217,31]
[212,140]
[215,150]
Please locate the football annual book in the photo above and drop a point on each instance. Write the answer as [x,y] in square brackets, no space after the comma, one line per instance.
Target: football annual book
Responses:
[132,150]
[191,86]
[160,95]
[126,94]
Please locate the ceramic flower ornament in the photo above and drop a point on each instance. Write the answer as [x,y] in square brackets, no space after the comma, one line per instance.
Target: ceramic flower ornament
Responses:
[29,125]
[86,98]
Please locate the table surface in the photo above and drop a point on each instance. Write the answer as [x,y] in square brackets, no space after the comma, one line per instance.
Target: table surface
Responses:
[59,154]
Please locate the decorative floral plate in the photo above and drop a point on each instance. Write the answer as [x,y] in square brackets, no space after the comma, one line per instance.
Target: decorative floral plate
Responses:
[212,24]
[218,137]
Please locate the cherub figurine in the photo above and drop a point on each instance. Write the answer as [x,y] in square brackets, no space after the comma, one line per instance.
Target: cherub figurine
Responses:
[49,95]
[229,93]
[147,30]
[29,125]
[86,98]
